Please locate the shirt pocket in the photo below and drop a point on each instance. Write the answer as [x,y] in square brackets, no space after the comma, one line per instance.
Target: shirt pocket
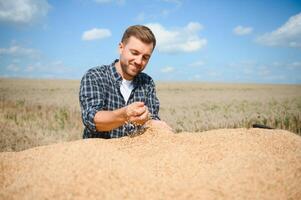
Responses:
[114,101]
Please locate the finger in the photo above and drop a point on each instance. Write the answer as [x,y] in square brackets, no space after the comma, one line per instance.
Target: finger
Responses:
[141,119]
[138,104]
[140,111]
[144,116]
[132,108]
[136,120]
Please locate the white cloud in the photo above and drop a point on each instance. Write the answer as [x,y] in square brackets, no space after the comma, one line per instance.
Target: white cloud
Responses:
[177,2]
[16,50]
[264,71]
[197,76]
[16,60]
[248,71]
[158,11]
[240,30]
[167,11]
[103,1]
[288,35]
[294,65]
[29,68]
[119,2]
[167,69]
[197,64]
[243,63]
[276,64]
[35,67]
[54,67]
[289,65]
[213,73]
[270,72]
[96,33]
[22,11]
[13,68]
[185,39]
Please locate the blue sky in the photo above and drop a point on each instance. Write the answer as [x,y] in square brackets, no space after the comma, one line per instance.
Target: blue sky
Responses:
[210,41]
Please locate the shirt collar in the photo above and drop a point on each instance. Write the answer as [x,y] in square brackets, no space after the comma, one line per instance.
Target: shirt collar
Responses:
[117,77]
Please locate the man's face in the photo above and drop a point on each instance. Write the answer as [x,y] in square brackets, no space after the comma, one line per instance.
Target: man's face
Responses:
[134,56]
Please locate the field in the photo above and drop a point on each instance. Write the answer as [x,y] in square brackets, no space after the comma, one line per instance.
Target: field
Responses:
[40,112]
[233,161]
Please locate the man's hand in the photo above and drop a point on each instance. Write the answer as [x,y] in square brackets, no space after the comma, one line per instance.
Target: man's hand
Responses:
[137,113]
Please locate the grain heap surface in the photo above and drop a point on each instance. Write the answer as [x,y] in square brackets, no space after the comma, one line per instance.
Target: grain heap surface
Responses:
[217,164]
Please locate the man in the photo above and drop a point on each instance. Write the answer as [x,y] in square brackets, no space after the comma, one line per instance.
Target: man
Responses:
[118,99]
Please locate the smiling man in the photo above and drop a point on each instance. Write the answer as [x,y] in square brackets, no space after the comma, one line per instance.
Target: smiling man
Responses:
[118,99]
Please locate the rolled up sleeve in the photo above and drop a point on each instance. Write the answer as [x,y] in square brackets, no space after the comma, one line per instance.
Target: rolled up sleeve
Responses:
[92,98]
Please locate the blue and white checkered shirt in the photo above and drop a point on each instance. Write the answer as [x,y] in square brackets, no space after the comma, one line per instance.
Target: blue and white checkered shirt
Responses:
[100,90]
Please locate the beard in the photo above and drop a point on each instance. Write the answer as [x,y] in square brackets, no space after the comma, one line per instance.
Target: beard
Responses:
[129,70]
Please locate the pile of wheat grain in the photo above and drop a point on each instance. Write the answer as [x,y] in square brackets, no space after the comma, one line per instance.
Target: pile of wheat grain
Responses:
[219,164]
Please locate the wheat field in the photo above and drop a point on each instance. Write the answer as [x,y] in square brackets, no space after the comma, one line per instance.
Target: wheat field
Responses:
[40,112]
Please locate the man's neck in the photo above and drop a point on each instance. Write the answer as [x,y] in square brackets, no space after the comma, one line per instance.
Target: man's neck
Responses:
[119,70]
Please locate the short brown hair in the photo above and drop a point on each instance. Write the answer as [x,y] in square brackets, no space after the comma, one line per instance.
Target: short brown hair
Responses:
[140,32]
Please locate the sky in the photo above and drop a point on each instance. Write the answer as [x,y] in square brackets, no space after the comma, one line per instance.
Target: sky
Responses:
[233,41]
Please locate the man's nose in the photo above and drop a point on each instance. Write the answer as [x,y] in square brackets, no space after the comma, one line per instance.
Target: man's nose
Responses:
[139,60]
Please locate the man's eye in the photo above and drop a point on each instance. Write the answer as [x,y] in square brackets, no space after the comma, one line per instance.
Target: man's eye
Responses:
[134,53]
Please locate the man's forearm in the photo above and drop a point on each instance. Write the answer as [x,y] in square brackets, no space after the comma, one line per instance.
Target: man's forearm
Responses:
[136,113]
[109,120]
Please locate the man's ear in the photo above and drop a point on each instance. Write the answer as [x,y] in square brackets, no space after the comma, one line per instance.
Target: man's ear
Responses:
[120,47]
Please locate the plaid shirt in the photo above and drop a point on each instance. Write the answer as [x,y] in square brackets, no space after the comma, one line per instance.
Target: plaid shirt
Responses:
[100,90]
